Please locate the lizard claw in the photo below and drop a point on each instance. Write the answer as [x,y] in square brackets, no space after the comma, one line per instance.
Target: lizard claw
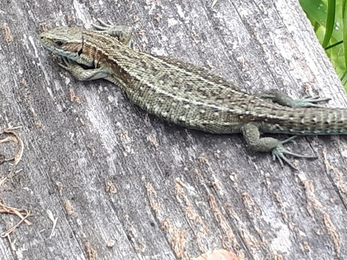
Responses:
[65,64]
[310,101]
[69,65]
[279,154]
[121,32]
[104,26]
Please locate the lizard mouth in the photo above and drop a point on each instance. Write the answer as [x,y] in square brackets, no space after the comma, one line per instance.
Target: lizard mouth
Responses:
[62,42]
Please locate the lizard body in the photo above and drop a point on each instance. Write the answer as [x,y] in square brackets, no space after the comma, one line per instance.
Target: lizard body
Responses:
[188,95]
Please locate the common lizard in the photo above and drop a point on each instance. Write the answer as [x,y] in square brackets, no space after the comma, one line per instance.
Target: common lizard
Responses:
[188,95]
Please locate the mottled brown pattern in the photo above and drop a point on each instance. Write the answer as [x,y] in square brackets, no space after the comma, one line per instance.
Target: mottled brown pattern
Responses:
[185,94]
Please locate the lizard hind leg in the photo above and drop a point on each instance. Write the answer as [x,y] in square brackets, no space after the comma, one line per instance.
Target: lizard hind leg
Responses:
[251,134]
[121,32]
[285,100]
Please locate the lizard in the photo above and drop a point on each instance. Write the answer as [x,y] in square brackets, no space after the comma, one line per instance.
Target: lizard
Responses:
[188,95]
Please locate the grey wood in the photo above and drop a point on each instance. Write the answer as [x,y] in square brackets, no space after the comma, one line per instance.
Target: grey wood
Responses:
[176,193]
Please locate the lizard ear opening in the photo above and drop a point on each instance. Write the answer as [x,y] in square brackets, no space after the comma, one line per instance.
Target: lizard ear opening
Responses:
[58,43]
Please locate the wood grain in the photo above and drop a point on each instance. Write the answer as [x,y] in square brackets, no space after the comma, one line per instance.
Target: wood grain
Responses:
[125,185]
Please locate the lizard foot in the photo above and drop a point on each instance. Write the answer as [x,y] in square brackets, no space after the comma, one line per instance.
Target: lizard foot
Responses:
[121,32]
[280,151]
[285,100]
[81,73]
[310,101]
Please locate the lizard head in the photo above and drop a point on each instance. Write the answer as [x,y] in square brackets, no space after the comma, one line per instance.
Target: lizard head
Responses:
[66,42]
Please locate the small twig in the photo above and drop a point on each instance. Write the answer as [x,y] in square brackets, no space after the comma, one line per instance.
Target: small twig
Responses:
[9,231]
[54,220]
[17,212]
[214,2]
[7,33]
[14,138]
[11,243]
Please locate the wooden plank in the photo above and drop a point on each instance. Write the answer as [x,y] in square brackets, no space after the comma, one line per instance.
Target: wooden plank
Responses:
[125,185]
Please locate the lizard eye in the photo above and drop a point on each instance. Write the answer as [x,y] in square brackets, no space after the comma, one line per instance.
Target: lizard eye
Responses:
[59,43]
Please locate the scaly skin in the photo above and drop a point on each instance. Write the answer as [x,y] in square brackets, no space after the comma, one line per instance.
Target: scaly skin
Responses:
[188,95]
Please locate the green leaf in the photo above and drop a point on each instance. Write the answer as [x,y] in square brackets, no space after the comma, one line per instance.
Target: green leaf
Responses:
[330,22]
[344,28]
[315,10]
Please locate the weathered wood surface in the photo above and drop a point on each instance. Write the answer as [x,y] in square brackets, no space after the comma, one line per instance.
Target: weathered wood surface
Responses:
[130,186]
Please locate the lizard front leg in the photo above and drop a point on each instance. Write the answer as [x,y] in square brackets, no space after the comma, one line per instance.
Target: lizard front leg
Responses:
[81,73]
[121,32]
